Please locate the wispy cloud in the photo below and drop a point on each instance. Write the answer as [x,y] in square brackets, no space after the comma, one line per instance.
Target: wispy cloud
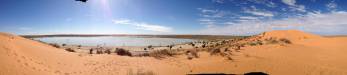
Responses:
[295,7]
[332,5]
[143,26]
[254,11]
[249,18]
[24,28]
[219,1]
[333,22]
[209,13]
[267,3]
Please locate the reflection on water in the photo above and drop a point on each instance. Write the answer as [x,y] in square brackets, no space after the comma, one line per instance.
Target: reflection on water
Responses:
[114,41]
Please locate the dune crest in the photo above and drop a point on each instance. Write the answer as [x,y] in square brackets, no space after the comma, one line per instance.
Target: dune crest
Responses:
[289,34]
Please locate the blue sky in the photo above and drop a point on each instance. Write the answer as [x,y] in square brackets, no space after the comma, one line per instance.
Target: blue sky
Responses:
[216,17]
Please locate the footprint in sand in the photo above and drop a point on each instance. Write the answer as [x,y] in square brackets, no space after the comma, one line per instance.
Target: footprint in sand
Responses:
[18,61]
[66,73]
[57,72]
[26,64]
[33,68]
[23,57]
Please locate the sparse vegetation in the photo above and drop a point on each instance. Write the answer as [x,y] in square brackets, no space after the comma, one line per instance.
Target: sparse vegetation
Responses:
[63,44]
[215,51]
[192,54]
[108,51]
[284,40]
[91,51]
[256,43]
[70,50]
[273,41]
[55,45]
[123,52]
[161,53]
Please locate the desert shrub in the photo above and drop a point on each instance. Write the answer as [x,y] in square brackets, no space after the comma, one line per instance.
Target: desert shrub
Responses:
[170,47]
[143,54]
[63,44]
[70,50]
[108,51]
[215,51]
[203,46]
[255,43]
[252,43]
[273,41]
[192,44]
[161,53]
[123,52]
[192,54]
[226,49]
[284,40]
[55,45]
[150,46]
[91,51]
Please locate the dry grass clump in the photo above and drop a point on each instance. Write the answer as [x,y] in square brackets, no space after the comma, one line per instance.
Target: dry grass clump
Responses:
[215,51]
[278,41]
[192,54]
[123,52]
[273,41]
[108,51]
[70,50]
[140,72]
[55,45]
[162,53]
[255,43]
[63,44]
[284,40]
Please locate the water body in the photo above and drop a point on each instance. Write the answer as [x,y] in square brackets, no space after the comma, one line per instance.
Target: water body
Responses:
[114,41]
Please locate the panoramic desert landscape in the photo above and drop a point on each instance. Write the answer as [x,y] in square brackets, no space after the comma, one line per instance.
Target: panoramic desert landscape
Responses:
[173,37]
[301,53]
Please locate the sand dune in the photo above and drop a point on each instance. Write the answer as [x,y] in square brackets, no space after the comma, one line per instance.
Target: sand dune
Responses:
[309,55]
[289,34]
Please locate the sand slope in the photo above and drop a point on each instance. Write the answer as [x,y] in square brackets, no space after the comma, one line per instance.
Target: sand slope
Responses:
[20,56]
[309,55]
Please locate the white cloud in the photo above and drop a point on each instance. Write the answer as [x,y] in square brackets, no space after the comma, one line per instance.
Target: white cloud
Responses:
[259,13]
[208,13]
[332,5]
[207,10]
[333,22]
[289,2]
[249,18]
[122,21]
[254,11]
[268,3]
[24,28]
[207,21]
[219,1]
[292,4]
[143,26]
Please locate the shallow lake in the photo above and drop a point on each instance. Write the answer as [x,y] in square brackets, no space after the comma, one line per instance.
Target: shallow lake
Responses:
[114,41]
